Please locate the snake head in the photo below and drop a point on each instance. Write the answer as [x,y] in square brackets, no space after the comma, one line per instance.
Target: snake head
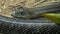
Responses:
[21,12]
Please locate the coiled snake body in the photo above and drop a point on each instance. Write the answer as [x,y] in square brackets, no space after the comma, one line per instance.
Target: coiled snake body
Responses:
[19,26]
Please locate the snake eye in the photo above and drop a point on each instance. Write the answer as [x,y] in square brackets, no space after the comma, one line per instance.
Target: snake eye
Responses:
[21,11]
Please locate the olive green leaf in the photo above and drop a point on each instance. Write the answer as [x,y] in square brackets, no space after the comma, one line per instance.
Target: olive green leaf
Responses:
[53,17]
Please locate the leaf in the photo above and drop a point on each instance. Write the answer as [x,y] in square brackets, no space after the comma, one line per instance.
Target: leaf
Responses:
[53,17]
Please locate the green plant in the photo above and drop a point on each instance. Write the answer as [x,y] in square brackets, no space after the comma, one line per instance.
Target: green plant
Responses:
[53,17]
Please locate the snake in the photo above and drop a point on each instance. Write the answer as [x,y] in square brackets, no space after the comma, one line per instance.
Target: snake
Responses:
[18,26]
[22,12]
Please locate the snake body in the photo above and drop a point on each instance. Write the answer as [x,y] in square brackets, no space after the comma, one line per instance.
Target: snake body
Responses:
[18,26]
